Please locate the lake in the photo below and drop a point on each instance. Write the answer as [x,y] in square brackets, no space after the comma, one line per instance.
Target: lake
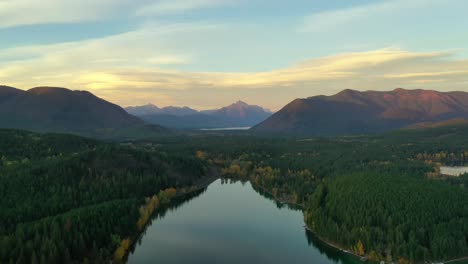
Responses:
[453,171]
[230,222]
[225,128]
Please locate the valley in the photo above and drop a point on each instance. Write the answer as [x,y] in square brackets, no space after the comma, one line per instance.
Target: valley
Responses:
[103,182]
[377,197]
[232,131]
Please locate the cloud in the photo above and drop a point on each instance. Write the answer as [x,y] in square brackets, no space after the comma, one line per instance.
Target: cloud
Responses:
[168,59]
[382,12]
[435,74]
[140,65]
[108,68]
[33,12]
[143,47]
[167,7]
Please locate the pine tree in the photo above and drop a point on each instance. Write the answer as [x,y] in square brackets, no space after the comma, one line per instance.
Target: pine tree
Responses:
[34,258]
[66,256]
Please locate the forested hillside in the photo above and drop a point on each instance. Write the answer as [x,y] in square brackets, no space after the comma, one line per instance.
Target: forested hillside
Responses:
[382,197]
[389,216]
[66,198]
[377,196]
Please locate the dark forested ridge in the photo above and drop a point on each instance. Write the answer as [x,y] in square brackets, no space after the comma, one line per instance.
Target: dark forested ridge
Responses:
[66,198]
[50,109]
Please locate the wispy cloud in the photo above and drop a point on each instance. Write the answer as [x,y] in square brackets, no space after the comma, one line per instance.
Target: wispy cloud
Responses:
[432,74]
[385,10]
[31,12]
[167,7]
[170,60]
[132,76]
[142,47]
[35,12]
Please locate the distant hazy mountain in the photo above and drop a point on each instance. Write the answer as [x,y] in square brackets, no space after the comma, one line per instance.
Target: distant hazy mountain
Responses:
[151,109]
[251,114]
[143,110]
[62,110]
[239,114]
[354,112]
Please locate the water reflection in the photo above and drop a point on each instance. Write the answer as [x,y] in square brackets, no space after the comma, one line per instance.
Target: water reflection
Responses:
[163,210]
[231,222]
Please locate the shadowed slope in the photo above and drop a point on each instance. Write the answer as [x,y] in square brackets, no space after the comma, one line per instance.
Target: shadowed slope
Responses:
[63,110]
[354,112]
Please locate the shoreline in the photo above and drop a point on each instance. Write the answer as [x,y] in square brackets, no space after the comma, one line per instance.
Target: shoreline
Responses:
[197,187]
[275,198]
[203,183]
[457,260]
[330,244]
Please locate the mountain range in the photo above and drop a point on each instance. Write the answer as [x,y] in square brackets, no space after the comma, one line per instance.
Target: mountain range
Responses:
[151,109]
[49,109]
[239,114]
[354,112]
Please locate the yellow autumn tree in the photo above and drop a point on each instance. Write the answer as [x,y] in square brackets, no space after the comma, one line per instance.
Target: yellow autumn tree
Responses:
[201,155]
[170,193]
[360,248]
[165,196]
[374,256]
[122,250]
[154,201]
[403,261]
[147,210]
[295,197]
[234,169]
[274,191]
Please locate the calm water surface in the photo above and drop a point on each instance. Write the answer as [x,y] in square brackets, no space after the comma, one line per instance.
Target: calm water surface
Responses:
[225,128]
[231,223]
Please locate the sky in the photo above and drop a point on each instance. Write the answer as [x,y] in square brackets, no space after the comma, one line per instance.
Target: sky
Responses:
[210,53]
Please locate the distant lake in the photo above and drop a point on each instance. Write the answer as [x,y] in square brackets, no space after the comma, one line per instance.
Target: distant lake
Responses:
[231,223]
[453,171]
[225,128]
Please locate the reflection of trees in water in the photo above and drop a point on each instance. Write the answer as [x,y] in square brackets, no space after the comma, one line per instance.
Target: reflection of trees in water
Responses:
[330,252]
[324,249]
[270,197]
[164,209]
[232,181]
[176,203]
